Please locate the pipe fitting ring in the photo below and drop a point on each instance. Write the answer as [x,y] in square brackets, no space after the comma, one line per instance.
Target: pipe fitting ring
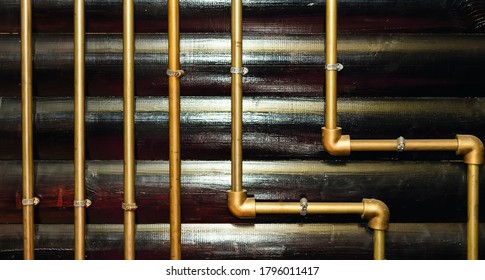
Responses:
[175,73]
[239,70]
[30,201]
[334,67]
[401,144]
[304,206]
[83,203]
[129,206]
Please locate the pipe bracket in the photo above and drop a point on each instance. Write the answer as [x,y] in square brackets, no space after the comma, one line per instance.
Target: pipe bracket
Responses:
[304,206]
[334,67]
[239,70]
[129,206]
[83,203]
[401,144]
[30,201]
[175,73]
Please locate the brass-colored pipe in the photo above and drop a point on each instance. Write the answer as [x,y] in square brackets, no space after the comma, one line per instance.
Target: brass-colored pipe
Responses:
[27,130]
[374,210]
[379,244]
[313,208]
[472,225]
[410,145]
[129,205]
[341,145]
[236,95]
[246,208]
[174,128]
[331,58]
[79,144]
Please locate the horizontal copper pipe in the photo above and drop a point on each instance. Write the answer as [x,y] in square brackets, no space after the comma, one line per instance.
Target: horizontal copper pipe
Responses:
[398,183]
[407,16]
[433,241]
[313,208]
[410,145]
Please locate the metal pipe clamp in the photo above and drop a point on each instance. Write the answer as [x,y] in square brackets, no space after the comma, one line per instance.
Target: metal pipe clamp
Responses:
[30,201]
[304,206]
[239,70]
[129,206]
[175,73]
[401,144]
[334,67]
[82,203]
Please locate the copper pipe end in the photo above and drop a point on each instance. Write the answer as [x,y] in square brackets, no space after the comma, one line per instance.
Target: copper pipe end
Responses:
[471,148]
[377,213]
[240,205]
[335,143]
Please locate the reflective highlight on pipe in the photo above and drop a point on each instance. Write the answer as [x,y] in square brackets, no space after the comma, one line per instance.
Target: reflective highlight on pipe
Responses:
[341,145]
[246,208]
[472,225]
[174,73]
[236,95]
[28,200]
[79,142]
[129,205]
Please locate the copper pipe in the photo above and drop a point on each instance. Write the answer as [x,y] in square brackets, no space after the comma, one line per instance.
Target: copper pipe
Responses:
[410,145]
[174,73]
[79,143]
[331,58]
[374,210]
[243,207]
[379,244]
[236,96]
[313,208]
[341,145]
[129,205]
[472,225]
[27,130]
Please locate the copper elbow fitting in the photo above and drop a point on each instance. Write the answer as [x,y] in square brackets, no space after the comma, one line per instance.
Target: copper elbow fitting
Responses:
[471,148]
[335,143]
[377,213]
[240,205]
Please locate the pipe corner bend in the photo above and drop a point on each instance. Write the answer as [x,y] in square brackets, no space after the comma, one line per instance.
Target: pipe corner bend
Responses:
[377,213]
[471,147]
[334,142]
[240,205]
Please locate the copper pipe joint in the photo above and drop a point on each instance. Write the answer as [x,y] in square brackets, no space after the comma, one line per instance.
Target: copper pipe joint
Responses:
[377,213]
[240,205]
[471,148]
[335,143]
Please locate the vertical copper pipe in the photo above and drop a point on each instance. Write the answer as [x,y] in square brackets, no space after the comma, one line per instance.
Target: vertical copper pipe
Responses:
[472,226]
[379,244]
[331,58]
[129,126]
[174,128]
[236,96]
[79,148]
[27,134]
